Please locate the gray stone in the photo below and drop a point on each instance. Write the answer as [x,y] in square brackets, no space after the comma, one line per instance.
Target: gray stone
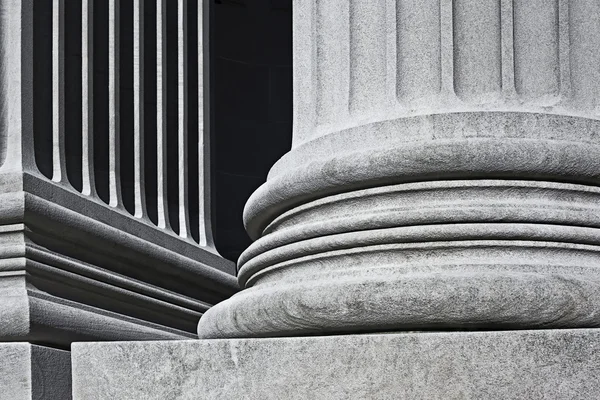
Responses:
[531,365]
[73,264]
[30,372]
[442,175]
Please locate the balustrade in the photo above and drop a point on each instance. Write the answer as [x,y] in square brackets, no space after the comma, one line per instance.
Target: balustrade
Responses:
[104,171]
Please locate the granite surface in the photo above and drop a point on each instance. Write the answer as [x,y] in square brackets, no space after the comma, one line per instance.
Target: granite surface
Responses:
[442,174]
[528,365]
[462,254]
[30,372]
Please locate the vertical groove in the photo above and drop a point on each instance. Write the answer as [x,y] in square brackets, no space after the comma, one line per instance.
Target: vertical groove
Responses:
[391,26]
[59,164]
[204,142]
[508,55]
[138,108]
[114,155]
[182,128]
[87,102]
[161,114]
[367,54]
[536,50]
[42,87]
[584,53]
[126,105]
[193,126]
[447,47]
[73,92]
[100,104]
[333,61]
[150,110]
[172,114]
[477,50]
[419,49]
[564,49]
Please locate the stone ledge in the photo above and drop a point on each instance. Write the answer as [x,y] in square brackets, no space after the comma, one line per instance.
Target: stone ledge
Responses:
[70,273]
[34,372]
[543,364]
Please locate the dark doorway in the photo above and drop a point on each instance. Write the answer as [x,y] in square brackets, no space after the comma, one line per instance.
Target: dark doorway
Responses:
[251,105]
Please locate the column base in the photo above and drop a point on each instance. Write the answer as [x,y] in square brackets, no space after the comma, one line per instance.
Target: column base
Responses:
[34,372]
[540,364]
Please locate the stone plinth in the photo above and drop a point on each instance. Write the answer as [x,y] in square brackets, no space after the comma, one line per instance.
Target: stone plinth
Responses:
[532,365]
[443,174]
[34,372]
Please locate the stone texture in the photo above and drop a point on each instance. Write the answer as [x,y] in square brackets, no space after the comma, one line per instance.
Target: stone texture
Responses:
[409,255]
[30,372]
[532,365]
[86,261]
[442,174]
[70,275]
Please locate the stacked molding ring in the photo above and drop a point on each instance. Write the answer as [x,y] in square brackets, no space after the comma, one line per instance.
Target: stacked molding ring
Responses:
[386,234]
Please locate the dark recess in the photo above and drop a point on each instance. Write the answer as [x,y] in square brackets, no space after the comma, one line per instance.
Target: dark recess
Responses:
[42,86]
[251,101]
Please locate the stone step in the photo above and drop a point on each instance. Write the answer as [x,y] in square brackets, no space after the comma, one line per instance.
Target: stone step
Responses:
[536,364]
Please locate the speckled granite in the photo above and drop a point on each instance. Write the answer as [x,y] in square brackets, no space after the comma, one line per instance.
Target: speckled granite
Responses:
[542,364]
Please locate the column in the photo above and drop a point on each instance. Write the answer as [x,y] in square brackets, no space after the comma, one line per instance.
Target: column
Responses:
[443,176]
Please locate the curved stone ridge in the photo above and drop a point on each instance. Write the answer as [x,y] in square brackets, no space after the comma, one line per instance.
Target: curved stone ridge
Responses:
[428,203]
[481,254]
[442,177]
[496,145]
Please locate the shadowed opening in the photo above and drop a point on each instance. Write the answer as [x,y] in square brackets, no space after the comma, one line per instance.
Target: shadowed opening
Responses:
[126,136]
[73,103]
[193,123]
[42,86]
[251,105]
[101,98]
[172,116]
[150,151]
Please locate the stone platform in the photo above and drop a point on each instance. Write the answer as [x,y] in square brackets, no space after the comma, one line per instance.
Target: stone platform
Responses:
[34,372]
[540,364]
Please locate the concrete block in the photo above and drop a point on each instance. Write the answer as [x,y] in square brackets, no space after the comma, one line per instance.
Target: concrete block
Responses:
[542,364]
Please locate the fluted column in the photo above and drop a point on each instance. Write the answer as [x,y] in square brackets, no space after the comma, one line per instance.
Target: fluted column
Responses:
[444,173]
